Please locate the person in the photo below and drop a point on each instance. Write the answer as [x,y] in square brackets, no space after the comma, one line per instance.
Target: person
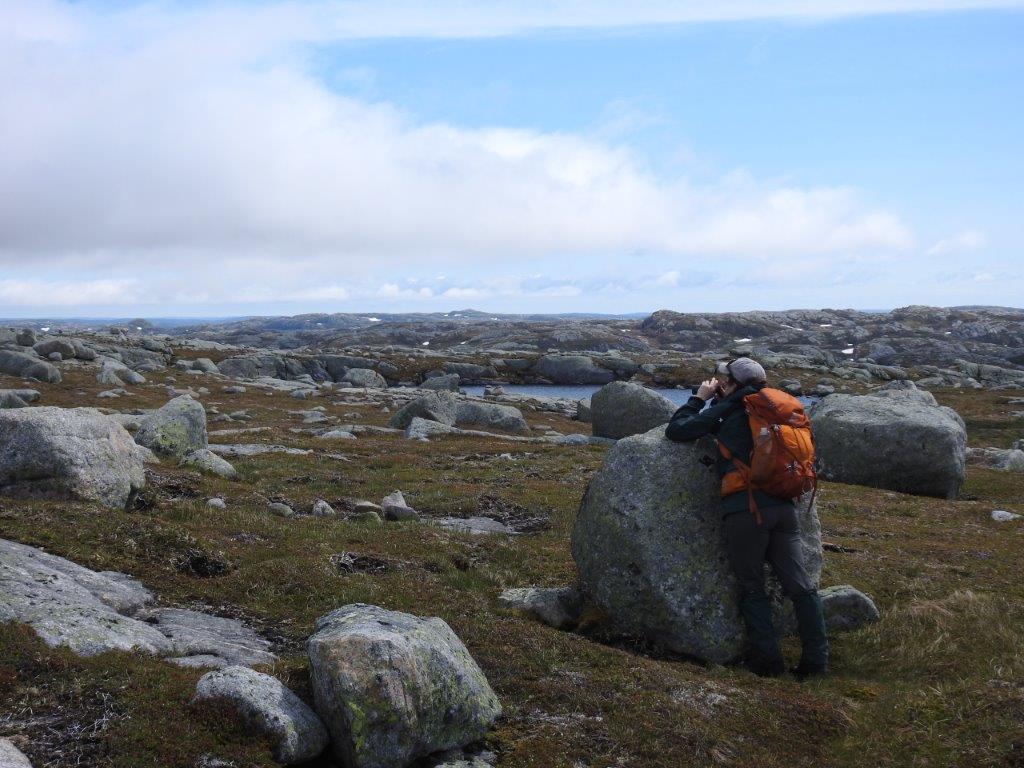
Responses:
[773,535]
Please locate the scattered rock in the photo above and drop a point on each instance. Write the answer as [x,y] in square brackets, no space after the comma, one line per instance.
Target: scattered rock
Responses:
[1002,516]
[269,708]
[846,608]
[649,546]
[210,463]
[449,382]
[621,409]
[392,687]
[1003,459]
[8,399]
[492,415]
[68,453]
[280,509]
[337,434]
[27,367]
[322,509]
[174,429]
[201,640]
[474,525]
[26,337]
[558,607]
[216,503]
[365,377]
[571,369]
[434,406]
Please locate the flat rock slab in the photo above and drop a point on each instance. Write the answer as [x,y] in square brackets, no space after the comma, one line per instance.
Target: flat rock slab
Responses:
[476,525]
[93,612]
[254,449]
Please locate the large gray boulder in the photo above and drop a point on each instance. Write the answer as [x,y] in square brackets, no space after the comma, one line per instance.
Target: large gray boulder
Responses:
[649,546]
[68,453]
[392,687]
[270,709]
[621,409]
[27,367]
[175,429]
[437,406]
[898,442]
[571,369]
[490,415]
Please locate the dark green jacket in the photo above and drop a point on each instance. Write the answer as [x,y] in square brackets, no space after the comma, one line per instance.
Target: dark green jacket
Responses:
[726,420]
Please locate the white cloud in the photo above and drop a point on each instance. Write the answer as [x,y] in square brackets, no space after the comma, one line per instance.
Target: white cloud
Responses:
[961,242]
[67,293]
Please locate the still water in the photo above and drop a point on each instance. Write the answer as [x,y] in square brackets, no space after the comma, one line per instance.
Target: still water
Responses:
[581,391]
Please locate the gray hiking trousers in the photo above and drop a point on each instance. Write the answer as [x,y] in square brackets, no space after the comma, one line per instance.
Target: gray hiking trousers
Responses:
[777,540]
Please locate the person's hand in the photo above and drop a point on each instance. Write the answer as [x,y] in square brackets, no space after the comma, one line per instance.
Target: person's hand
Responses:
[707,389]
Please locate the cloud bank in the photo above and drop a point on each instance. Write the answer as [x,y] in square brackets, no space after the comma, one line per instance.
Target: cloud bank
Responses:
[154,150]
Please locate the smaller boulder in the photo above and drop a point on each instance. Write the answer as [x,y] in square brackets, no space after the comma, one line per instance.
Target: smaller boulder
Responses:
[846,608]
[558,607]
[265,705]
[280,509]
[365,377]
[449,382]
[433,406]
[209,463]
[621,409]
[322,509]
[174,429]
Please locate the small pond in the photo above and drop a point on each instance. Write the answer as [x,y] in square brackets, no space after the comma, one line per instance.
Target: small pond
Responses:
[582,391]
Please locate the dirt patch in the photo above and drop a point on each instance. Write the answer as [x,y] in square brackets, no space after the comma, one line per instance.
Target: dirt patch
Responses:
[196,561]
[350,562]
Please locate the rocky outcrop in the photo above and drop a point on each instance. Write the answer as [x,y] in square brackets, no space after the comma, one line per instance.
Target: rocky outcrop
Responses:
[571,369]
[621,409]
[899,443]
[67,453]
[648,543]
[295,732]
[448,381]
[93,612]
[392,687]
[175,429]
[27,367]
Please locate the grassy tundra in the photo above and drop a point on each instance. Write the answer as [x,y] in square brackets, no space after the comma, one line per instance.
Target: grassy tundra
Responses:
[939,681]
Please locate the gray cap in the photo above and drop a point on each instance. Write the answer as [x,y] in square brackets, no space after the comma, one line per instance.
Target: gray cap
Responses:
[744,370]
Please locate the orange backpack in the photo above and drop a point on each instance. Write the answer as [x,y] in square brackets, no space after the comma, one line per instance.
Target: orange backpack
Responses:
[782,461]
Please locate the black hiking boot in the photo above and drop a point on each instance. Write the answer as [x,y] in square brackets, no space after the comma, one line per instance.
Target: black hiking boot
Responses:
[801,672]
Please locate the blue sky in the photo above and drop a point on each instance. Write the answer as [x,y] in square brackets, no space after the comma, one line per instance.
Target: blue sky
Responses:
[176,159]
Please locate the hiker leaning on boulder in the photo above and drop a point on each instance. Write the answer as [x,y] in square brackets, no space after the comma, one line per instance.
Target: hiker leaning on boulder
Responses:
[759,526]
